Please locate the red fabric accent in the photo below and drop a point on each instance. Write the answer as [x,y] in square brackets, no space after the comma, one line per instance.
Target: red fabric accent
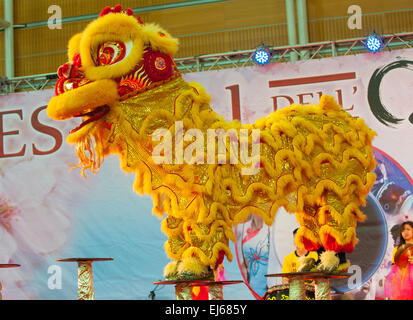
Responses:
[203,294]
[331,244]
[123,90]
[137,79]
[69,73]
[74,72]
[107,125]
[76,60]
[150,62]
[63,70]
[250,234]
[221,256]
[348,248]
[58,87]
[310,245]
[107,55]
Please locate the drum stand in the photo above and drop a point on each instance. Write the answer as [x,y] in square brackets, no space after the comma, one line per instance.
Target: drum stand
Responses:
[183,288]
[4,266]
[85,289]
[321,283]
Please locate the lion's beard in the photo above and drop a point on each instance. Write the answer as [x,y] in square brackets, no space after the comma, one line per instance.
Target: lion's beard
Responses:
[89,149]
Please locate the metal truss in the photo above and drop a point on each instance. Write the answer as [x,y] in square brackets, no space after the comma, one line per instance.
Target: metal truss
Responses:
[27,83]
[236,59]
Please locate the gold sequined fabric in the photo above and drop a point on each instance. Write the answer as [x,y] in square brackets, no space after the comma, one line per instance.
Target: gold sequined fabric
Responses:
[85,281]
[322,289]
[315,161]
[297,288]
[215,292]
[183,291]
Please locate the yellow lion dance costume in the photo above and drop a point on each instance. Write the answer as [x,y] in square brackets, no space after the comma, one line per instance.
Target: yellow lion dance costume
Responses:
[316,161]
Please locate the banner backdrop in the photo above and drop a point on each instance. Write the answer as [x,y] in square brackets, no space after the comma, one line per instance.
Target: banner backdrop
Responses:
[48,211]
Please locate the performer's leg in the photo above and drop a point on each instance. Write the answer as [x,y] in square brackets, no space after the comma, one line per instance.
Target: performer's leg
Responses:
[208,244]
[196,249]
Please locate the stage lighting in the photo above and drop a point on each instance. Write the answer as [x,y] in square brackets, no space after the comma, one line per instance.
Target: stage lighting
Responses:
[262,55]
[374,42]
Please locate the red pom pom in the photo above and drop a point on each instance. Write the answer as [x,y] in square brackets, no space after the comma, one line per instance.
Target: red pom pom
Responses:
[107,125]
[117,9]
[105,11]
[129,12]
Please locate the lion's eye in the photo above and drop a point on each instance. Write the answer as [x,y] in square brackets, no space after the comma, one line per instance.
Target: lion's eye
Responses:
[110,52]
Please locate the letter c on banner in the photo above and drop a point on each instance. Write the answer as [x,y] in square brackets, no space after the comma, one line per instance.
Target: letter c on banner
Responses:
[373,93]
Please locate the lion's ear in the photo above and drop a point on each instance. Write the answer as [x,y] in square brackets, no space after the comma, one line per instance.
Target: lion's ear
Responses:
[159,39]
[74,46]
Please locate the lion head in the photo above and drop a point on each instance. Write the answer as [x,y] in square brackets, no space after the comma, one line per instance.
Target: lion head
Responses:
[117,56]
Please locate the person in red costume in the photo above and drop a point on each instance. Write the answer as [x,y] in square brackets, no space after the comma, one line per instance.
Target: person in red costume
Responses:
[399,281]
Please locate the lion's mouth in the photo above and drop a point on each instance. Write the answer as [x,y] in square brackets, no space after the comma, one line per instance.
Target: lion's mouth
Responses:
[91,116]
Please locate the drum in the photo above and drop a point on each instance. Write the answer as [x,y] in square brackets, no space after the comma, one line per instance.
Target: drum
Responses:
[281,292]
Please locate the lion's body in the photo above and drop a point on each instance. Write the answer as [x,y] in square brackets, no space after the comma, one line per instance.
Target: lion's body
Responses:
[315,161]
